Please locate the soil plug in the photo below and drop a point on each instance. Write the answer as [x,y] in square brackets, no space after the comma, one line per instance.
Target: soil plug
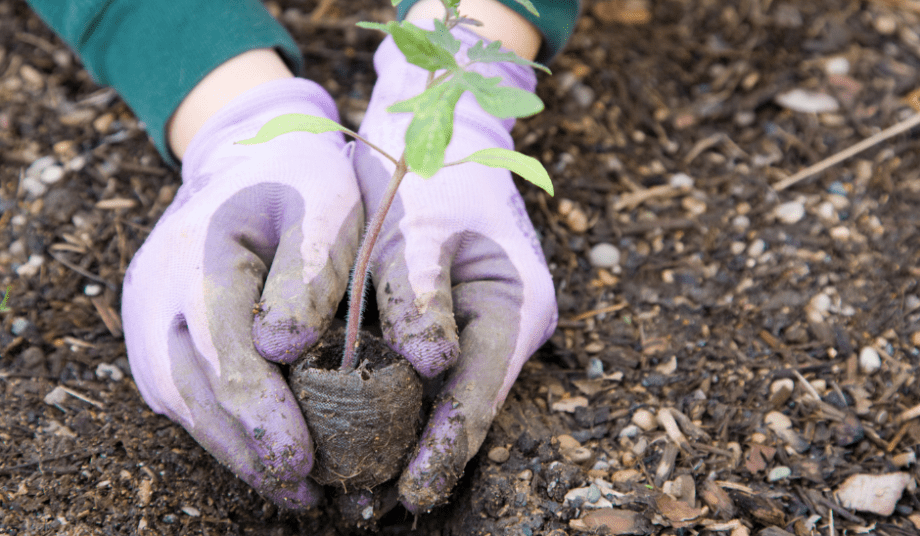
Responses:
[363,416]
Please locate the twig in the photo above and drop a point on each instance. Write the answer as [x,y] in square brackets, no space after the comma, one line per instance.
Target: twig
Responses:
[594,312]
[81,454]
[83,272]
[889,132]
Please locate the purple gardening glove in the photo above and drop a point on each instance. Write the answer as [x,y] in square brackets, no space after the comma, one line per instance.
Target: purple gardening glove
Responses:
[462,283]
[246,267]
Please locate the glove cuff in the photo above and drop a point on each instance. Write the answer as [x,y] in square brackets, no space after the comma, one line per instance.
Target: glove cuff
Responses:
[242,117]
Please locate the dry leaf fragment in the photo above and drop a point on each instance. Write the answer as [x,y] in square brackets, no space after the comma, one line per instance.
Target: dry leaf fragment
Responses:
[619,522]
[679,513]
[717,499]
[872,493]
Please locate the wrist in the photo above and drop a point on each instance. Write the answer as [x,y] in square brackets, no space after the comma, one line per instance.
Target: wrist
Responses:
[222,85]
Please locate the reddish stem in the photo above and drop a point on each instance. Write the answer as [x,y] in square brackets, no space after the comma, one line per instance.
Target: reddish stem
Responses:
[359,277]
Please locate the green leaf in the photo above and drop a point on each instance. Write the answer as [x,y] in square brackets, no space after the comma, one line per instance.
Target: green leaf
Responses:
[528,5]
[431,128]
[442,37]
[294,123]
[502,102]
[395,2]
[416,45]
[373,26]
[492,54]
[529,168]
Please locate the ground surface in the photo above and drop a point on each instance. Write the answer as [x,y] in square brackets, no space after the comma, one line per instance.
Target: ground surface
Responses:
[664,136]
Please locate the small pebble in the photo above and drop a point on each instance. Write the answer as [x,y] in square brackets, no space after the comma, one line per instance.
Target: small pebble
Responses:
[681,180]
[604,255]
[499,454]
[886,24]
[629,431]
[737,248]
[578,454]
[567,442]
[568,405]
[741,222]
[107,371]
[801,100]
[837,65]
[869,360]
[756,248]
[52,174]
[693,205]
[595,369]
[526,474]
[33,186]
[20,325]
[840,233]
[36,168]
[594,347]
[594,493]
[645,419]
[791,212]
[826,211]
[779,473]
[191,511]
[92,289]
[777,421]
[169,519]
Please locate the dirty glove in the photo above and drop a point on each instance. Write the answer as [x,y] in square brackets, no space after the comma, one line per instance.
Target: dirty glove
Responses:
[246,267]
[462,283]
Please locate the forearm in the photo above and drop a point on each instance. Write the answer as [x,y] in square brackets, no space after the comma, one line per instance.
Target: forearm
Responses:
[228,81]
[154,52]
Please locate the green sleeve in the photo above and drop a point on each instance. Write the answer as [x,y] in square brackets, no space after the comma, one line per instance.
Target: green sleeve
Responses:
[153,52]
[556,21]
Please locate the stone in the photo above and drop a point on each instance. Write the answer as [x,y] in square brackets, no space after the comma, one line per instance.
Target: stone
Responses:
[604,255]
[499,454]
[869,360]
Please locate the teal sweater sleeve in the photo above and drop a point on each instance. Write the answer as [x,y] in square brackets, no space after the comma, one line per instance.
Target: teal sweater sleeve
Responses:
[556,21]
[153,52]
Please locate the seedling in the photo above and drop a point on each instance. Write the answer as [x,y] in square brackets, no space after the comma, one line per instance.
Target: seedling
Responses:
[431,128]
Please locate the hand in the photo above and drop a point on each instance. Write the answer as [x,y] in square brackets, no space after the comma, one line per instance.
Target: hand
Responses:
[462,283]
[285,214]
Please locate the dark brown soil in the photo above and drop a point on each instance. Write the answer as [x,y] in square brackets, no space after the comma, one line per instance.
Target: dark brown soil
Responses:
[364,422]
[721,294]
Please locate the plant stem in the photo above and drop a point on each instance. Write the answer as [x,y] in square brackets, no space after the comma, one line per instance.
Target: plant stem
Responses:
[359,277]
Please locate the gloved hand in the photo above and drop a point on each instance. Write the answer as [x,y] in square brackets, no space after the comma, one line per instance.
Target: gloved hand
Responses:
[462,283]
[201,330]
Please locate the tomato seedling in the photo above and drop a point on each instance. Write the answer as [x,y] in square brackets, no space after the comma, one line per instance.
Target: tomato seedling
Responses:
[431,127]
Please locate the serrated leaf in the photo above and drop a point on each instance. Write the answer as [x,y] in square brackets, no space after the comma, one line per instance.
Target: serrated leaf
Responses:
[529,168]
[442,37]
[492,54]
[431,128]
[293,123]
[502,102]
[418,49]
[528,5]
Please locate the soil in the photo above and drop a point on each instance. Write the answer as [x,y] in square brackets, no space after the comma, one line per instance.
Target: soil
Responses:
[364,422]
[732,305]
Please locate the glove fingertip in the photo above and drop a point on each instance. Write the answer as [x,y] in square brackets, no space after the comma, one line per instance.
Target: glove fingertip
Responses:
[282,340]
[431,347]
